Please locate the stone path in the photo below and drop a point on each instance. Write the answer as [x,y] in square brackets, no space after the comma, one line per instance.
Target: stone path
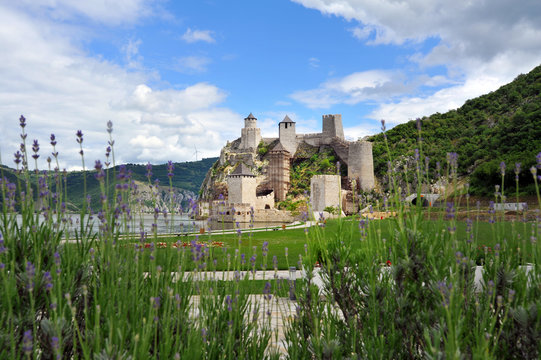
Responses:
[294,225]
[281,310]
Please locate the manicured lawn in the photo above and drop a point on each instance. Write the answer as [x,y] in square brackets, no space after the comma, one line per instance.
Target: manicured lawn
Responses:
[477,240]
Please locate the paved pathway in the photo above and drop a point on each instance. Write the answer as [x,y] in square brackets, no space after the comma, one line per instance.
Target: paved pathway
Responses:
[294,225]
[275,312]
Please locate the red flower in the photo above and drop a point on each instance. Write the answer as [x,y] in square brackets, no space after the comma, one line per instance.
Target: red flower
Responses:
[388,263]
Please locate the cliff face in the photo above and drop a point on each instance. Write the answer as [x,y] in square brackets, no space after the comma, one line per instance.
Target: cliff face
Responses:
[151,197]
[307,161]
[231,154]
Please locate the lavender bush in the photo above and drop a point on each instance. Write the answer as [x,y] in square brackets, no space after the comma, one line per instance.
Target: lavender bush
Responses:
[101,294]
[414,295]
[79,296]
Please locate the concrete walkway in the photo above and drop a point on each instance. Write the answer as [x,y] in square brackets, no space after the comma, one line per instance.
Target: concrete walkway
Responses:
[275,313]
[294,225]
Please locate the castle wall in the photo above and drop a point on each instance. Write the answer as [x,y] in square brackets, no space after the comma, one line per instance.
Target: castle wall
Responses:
[361,164]
[310,139]
[241,189]
[288,137]
[265,202]
[324,191]
[332,126]
[250,138]
[242,213]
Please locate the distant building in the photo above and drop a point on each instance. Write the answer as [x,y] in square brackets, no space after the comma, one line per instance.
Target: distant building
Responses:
[242,183]
[251,134]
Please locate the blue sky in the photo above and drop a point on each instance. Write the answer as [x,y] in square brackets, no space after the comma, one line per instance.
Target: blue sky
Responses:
[175,75]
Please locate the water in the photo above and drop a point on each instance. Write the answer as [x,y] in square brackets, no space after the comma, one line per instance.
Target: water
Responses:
[179,224]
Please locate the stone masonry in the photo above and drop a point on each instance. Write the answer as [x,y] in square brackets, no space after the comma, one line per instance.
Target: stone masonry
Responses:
[287,135]
[324,192]
[250,134]
[361,164]
[241,185]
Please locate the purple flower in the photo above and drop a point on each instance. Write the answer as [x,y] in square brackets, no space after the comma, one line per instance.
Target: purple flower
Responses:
[55,346]
[27,342]
[155,301]
[383,125]
[48,280]
[22,121]
[450,210]
[53,140]
[99,170]
[109,126]
[265,248]
[35,149]
[18,157]
[228,302]
[267,290]
[57,262]
[149,170]
[517,170]
[502,168]
[204,334]
[79,135]
[170,168]
[30,274]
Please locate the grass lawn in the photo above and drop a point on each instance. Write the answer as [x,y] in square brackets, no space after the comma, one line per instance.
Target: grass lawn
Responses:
[477,240]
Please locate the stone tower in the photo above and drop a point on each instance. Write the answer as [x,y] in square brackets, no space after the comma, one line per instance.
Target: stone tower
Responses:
[288,137]
[279,171]
[324,191]
[250,134]
[332,126]
[361,164]
[241,186]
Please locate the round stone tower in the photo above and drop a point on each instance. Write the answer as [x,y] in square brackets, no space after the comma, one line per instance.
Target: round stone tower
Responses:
[241,186]
[361,164]
[250,134]
[279,164]
[287,134]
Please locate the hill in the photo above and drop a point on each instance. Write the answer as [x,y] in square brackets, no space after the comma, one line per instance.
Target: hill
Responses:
[186,181]
[502,126]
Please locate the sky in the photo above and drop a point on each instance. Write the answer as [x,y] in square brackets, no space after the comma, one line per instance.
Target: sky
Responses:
[177,78]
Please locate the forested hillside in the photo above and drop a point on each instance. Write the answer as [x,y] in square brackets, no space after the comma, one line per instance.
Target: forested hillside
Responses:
[504,125]
[187,178]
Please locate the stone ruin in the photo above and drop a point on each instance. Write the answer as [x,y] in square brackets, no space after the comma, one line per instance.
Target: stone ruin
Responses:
[243,184]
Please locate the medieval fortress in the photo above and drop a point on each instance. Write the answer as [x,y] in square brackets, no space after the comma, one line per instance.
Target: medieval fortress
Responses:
[253,183]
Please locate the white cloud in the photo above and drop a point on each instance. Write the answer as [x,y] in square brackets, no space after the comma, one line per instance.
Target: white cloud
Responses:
[191,36]
[110,12]
[131,51]
[192,64]
[482,44]
[351,89]
[313,62]
[361,33]
[61,89]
